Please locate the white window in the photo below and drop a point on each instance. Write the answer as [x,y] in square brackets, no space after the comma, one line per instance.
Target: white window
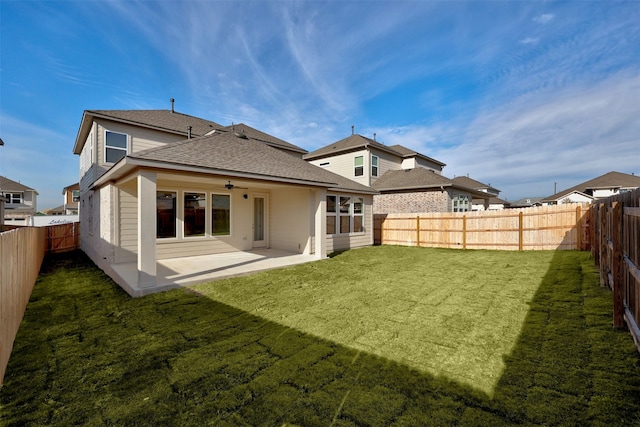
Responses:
[75,196]
[220,214]
[115,146]
[14,198]
[358,166]
[345,214]
[166,209]
[374,165]
[195,211]
[461,203]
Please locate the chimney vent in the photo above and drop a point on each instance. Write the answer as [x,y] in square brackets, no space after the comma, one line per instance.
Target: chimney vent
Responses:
[374,136]
[352,129]
[189,132]
[172,101]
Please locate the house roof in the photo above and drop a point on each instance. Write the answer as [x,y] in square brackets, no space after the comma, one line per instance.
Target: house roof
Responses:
[264,137]
[162,120]
[7,184]
[407,152]
[465,181]
[526,202]
[418,179]
[611,179]
[233,154]
[352,143]
[71,187]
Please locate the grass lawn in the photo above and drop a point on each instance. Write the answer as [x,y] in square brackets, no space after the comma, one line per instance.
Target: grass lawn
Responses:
[376,336]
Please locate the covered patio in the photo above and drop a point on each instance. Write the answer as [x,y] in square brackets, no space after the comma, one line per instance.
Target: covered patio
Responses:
[180,272]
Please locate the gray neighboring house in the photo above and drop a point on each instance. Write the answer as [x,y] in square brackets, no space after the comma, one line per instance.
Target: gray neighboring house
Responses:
[601,187]
[407,181]
[20,202]
[482,204]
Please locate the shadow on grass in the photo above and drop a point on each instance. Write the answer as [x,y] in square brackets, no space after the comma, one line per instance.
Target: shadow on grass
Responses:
[88,354]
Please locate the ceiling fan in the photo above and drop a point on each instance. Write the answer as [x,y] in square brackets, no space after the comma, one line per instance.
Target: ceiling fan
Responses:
[230,186]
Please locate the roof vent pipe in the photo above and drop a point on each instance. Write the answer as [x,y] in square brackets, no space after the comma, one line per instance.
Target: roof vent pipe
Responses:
[374,136]
[189,132]
[352,128]
[172,101]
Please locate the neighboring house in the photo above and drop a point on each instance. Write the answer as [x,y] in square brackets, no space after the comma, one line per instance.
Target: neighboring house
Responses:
[149,192]
[71,196]
[407,181]
[526,202]
[20,202]
[482,204]
[609,184]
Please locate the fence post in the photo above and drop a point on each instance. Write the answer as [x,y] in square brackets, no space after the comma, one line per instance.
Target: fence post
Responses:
[618,283]
[579,228]
[418,230]
[520,231]
[464,232]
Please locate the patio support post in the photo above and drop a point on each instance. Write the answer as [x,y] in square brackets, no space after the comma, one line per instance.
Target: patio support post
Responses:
[321,223]
[146,229]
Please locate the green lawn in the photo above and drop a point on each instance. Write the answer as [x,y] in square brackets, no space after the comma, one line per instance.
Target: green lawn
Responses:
[376,336]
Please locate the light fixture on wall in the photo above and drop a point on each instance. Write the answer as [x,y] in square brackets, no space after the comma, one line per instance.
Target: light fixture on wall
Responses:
[228,185]
[246,196]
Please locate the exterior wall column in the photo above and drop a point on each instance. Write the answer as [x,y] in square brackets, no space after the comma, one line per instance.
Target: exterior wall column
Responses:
[146,229]
[320,223]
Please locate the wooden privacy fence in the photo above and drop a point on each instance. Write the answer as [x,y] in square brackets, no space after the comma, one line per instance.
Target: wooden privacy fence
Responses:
[548,227]
[22,250]
[21,254]
[615,247]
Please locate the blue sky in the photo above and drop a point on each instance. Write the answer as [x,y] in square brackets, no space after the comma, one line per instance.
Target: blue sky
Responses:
[517,94]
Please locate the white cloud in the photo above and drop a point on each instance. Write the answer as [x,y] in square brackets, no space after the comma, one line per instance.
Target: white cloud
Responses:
[530,40]
[544,18]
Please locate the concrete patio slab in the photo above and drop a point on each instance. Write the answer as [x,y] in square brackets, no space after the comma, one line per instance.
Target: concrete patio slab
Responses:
[181,272]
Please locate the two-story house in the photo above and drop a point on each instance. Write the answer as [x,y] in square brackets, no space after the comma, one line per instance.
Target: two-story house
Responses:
[159,185]
[20,202]
[407,181]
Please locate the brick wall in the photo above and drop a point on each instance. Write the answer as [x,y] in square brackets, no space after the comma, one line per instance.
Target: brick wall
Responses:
[426,201]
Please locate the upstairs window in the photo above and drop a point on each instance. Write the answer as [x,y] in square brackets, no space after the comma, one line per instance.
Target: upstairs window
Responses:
[358,166]
[75,196]
[115,146]
[14,198]
[374,165]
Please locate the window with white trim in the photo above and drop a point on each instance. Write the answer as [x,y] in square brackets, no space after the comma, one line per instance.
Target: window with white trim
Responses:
[115,146]
[14,198]
[220,214]
[194,209]
[345,214]
[461,203]
[358,166]
[75,196]
[374,165]
[166,214]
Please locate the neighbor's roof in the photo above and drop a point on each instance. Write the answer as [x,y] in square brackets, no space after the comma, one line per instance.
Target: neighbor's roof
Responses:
[407,152]
[264,137]
[225,153]
[417,179]
[162,120]
[608,180]
[465,181]
[352,143]
[7,184]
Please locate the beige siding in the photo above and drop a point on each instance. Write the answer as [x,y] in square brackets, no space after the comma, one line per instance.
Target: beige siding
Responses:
[128,225]
[342,164]
[386,163]
[291,219]
[423,163]
[340,242]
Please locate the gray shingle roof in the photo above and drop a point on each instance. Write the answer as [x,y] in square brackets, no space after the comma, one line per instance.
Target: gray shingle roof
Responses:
[7,185]
[608,180]
[411,179]
[351,143]
[407,152]
[225,152]
[163,120]
[465,181]
[264,137]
